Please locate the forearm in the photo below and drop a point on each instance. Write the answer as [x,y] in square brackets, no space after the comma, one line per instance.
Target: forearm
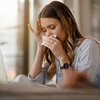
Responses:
[66,73]
[69,76]
[37,64]
[64,60]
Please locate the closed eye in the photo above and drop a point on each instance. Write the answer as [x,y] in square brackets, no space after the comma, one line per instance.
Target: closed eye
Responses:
[44,30]
[52,27]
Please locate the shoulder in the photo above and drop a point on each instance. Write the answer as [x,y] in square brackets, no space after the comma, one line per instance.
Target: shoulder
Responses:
[87,55]
[89,43]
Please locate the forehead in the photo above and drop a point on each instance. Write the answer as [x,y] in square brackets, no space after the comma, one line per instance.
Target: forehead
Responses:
[48,21]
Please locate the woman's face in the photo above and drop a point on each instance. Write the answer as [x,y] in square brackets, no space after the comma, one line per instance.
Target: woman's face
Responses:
[52,26]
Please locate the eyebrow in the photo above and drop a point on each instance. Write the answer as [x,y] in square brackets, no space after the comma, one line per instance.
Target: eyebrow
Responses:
[49,25]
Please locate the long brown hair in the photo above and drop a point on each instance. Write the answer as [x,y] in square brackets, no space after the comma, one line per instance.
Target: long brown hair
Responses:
[61,12]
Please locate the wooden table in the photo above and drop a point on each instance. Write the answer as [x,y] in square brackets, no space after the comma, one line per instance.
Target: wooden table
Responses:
[16,91]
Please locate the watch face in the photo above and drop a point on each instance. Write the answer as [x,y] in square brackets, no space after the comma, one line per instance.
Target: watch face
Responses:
[65,66]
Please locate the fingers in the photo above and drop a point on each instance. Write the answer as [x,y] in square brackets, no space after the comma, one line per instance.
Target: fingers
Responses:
[38,24]
[82,76]
[46,42]
[30,28]
[49,40]
[37,28]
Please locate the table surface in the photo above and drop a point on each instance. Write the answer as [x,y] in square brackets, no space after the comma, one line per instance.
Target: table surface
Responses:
[16,91]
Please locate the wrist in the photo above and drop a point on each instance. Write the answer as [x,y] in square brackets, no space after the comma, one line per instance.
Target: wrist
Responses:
[65,66]
[64,60]
[40,50]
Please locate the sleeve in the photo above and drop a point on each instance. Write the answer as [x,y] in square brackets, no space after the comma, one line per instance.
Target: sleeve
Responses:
[89,61]
[42,77]
[88,56]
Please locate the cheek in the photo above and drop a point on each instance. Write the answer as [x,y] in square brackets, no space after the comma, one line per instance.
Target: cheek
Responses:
[58,31]
[61,35]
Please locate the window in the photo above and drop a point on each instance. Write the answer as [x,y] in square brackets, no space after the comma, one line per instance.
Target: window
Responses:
[11,35]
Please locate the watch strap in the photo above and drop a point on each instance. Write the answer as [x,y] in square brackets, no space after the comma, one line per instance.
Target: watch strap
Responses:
[65,66]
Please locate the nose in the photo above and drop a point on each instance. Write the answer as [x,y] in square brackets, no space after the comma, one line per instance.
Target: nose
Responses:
[48,33]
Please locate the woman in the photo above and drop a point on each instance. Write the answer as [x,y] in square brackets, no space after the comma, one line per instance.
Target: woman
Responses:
[62,50]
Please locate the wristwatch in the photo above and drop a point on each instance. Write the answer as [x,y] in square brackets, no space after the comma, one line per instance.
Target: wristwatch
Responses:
[65,66]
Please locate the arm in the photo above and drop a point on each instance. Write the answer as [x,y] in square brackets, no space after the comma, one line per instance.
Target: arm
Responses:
[73,79]
[87,65]
[37,64]
[70,77]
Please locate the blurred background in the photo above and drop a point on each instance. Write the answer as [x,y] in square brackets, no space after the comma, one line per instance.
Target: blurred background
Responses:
[17,43]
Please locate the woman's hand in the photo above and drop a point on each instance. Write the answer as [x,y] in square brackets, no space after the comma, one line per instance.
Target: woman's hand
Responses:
[73,79]
[54,45]
[37,32]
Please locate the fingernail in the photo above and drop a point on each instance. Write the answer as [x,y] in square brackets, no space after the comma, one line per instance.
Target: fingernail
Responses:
[55,35]
[41,44]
